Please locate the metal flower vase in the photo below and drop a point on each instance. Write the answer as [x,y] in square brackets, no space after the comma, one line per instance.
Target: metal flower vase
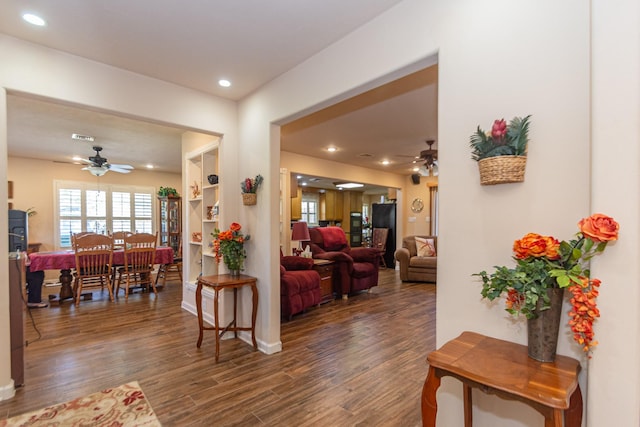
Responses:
[233,264]
[542,330]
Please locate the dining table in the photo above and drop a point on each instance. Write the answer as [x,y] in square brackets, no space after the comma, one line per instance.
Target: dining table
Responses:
[65,261]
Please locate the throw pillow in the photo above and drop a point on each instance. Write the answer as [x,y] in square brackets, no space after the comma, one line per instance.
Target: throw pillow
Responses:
[425,247]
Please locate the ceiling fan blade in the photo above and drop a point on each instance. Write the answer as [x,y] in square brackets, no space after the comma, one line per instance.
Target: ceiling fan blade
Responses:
[121,168]
[112,165]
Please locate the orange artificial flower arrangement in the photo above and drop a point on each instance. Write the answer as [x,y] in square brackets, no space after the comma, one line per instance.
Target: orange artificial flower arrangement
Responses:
[542,262]
[229,244]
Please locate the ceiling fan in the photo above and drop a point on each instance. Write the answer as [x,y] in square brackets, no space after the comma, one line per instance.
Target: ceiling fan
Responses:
[429,158]
[98,165]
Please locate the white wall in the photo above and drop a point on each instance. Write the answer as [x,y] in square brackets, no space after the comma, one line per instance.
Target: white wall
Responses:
[497,59]
[31,69]
[614,372]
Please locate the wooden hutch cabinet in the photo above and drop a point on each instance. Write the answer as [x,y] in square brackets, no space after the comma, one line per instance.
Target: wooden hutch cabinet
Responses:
[170,222]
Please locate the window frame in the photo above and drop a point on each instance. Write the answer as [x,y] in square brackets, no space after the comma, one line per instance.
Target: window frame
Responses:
[109,189]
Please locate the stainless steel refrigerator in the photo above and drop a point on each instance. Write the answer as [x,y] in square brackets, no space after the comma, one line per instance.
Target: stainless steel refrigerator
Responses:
[383,215]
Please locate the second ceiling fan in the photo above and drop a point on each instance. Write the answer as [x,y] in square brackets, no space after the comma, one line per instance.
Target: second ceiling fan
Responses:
[98,165]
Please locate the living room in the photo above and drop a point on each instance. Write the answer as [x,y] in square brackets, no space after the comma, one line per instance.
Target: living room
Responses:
[558,48]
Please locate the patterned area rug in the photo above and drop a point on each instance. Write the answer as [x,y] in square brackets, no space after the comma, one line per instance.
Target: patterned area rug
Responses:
[123,406]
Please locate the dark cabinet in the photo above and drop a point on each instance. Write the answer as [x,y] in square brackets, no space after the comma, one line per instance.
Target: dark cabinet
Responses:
[170,223]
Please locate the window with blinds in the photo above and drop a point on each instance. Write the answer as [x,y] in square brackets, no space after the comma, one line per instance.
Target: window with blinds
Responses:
[102,209]
[310,209]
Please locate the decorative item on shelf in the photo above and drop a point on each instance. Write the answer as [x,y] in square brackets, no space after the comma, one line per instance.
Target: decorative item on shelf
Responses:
[216,210]
[196,236]
[168,192]
[299,233]
[229,245]
[195,190]
[209,213]
[544,268]
[501,153]
[213,179]
[249,187]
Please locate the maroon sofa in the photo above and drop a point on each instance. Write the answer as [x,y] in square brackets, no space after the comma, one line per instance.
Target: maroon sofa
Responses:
[299,285]
[355,269]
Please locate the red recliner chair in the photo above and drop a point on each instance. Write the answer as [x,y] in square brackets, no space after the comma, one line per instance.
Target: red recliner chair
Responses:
[299,285]
[356,269]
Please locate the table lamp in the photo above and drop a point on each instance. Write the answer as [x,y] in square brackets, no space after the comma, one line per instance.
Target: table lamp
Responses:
[299,232]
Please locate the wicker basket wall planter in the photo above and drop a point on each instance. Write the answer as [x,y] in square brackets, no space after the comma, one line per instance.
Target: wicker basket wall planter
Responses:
[502,169]
[249,199]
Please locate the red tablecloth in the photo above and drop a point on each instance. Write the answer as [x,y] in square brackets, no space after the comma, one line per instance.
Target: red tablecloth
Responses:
[64,260]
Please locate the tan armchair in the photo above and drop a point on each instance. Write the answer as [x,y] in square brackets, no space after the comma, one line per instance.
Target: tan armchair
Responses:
[414,268]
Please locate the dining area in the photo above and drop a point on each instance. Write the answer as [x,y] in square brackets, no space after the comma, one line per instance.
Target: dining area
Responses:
[122,260]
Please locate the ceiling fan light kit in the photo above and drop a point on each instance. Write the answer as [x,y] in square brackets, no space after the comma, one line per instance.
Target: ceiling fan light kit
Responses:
[96,170]
[99,166]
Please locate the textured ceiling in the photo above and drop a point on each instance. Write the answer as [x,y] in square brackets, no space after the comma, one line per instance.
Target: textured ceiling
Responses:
[193,44]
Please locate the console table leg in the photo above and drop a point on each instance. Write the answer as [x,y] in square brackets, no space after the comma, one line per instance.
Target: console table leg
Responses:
[254,314]
[573,415]
[235,312]
[468,406]
[200,316]
[555,420]
[216,322]
[429,403]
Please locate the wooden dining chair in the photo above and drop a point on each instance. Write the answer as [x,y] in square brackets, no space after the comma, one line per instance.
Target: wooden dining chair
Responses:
[173,270]
[118,239]
[379,242]
[139,259]
[80,234]
[94,258]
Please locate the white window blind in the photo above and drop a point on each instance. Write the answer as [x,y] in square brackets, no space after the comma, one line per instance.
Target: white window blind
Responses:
[310,209]
[102,209]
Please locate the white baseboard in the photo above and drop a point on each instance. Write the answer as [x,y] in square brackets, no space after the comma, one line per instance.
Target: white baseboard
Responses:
[7,391]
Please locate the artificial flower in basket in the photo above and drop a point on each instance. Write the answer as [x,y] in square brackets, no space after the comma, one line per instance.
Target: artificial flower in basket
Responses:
[544,263]
[501,152]
[229,245]
[249,187]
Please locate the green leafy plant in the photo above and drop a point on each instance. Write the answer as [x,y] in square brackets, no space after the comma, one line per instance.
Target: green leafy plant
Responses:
[502,139]
[542,262]
[167,191]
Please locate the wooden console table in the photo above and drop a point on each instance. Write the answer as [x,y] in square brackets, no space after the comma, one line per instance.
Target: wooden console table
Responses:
[504,368]
[218,283]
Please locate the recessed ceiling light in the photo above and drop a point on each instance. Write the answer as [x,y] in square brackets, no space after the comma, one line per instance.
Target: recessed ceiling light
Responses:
[332,149]
[385,162]
[415,169]
[77,159]
[150,166]
[34,19]
[224,82]
[304,183]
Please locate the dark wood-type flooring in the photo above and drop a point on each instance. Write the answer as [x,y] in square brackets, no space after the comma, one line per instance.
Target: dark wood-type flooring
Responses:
[359,362]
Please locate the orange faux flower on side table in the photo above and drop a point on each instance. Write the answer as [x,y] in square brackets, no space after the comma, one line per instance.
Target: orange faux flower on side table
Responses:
[229,245]
[544,268]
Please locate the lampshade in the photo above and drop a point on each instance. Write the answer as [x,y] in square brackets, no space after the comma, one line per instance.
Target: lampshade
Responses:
[300,231]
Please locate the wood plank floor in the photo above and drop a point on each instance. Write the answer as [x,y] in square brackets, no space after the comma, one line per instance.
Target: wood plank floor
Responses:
[359,362]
